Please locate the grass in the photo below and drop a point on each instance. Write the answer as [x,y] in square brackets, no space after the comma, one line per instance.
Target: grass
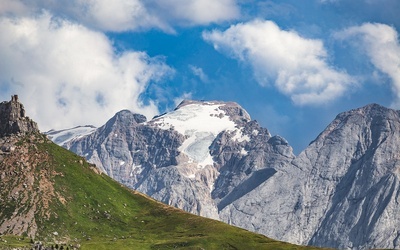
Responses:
[96,212]
[9,241]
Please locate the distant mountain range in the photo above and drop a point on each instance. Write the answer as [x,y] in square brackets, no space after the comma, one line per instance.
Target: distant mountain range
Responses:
[211,159]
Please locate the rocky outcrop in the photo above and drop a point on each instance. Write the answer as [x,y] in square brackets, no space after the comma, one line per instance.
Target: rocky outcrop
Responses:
[13,119]
[211,159]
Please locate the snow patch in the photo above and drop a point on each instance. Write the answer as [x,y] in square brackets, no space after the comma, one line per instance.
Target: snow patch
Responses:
[243,151]
[200,123]
[121,163]
[136,170]
[62,137]
[240,137]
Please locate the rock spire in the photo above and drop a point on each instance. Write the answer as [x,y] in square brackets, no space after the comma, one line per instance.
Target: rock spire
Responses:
[13,119]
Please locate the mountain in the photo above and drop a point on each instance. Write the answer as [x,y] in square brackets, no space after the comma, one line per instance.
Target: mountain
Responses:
[200,157]
[341,191]
[360,175]
[211,159]
[51,195]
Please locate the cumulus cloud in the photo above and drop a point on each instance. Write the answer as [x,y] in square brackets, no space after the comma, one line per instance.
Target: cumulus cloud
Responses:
[296,66]
[380,43]
[67,74]
[123,15]
[194,12]
[116,15]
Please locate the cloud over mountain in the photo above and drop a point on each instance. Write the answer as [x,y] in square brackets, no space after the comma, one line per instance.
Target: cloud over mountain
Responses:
[298,67]
[380,42]
[74,70]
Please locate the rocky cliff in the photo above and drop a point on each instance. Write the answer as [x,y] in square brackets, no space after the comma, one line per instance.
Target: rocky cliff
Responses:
[211,159]
[341,192]
[356,163]
[13,119]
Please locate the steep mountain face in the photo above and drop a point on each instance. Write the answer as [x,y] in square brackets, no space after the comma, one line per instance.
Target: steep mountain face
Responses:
[200,157]
[211,159]
[356,163]
[341,192]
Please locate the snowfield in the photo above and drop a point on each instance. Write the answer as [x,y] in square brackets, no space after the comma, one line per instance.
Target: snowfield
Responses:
[61,137]
[200,124]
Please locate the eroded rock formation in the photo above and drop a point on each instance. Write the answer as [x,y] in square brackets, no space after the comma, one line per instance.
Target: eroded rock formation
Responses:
[13,119]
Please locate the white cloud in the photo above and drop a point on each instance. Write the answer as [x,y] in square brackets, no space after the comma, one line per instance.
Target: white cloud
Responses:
[116,15]
[195,12]
[123,15]
[297,66]
[380,43]
[67,74]
[197,71]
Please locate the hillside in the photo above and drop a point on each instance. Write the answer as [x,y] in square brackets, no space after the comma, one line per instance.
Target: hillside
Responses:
[49,194]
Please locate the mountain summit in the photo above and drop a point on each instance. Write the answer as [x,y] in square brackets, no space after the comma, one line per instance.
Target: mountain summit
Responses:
[342,191]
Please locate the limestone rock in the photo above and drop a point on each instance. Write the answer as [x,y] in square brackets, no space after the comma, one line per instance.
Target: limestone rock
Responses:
[341,192]
[13,119]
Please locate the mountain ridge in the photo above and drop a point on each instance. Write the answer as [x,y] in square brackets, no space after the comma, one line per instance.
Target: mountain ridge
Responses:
[52,196]
[236,171]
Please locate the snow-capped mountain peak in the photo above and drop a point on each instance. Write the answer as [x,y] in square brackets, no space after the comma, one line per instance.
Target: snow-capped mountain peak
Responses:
[200,123]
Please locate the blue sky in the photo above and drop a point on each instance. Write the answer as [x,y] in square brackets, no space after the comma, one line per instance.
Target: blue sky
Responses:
[293,65]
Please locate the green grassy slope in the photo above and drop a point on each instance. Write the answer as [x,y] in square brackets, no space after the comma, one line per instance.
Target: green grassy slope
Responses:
[94,211]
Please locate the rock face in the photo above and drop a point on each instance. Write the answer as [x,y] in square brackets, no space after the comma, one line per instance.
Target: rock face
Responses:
[341,192]
[211,159]
[356,162]
[200,157]
[13,119]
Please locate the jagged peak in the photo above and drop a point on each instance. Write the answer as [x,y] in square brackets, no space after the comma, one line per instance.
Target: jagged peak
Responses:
[371,109]
[13,119]
[369,115]
[124,118]
[139,118]
[368,112]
